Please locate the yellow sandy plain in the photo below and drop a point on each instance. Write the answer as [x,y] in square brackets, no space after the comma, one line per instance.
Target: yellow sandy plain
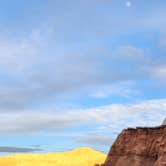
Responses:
[76,157]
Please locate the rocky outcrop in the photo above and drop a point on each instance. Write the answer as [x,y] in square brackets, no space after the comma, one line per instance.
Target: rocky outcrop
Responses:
[139,147]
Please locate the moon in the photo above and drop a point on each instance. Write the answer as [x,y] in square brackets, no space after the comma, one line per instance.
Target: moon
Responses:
[128,3]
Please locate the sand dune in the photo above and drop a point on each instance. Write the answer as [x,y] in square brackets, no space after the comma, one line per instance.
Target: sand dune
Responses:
[76,157]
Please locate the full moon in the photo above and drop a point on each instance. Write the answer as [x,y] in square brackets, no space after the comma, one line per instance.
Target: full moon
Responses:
[128,4]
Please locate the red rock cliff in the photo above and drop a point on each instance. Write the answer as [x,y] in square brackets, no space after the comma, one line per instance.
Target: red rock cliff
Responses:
[139,147]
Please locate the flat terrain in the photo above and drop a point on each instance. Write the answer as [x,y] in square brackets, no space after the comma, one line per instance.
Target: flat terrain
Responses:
[76,157]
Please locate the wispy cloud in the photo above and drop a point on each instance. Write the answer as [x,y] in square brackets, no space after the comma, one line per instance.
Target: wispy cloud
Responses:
[113,117]
[58,73]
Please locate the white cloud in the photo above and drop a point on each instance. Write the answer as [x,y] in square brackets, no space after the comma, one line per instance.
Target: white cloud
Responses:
[43,74]
[45,71]
[113,117]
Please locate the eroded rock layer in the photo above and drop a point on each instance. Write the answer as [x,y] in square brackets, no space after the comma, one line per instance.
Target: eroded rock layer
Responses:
[139,147]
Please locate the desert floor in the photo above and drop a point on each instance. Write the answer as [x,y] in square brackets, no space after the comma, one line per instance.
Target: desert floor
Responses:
[76,157]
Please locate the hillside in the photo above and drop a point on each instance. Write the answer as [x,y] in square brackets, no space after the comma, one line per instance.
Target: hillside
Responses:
[76,157]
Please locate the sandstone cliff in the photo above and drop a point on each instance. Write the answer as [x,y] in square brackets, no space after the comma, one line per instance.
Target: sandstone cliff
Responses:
[139,147]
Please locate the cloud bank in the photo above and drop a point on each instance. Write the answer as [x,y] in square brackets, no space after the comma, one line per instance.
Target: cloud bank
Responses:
[111,118]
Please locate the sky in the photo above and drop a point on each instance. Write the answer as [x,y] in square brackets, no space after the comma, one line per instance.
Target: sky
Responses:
[76,73]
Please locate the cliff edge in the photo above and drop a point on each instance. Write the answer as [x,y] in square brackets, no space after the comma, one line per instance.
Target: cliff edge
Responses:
[139,147]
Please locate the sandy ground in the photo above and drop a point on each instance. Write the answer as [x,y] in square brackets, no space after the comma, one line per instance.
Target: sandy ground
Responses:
[76,157]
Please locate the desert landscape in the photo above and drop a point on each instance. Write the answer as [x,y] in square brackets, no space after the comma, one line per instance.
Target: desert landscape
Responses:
[82,82]
[76,157]
[141,146]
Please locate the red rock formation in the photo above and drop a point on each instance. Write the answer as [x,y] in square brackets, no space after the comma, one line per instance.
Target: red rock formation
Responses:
[139,147]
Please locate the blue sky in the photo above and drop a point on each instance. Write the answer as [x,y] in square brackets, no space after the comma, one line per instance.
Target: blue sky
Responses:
[75,73]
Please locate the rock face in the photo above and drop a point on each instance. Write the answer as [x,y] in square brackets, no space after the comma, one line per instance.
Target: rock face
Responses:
[139,147]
